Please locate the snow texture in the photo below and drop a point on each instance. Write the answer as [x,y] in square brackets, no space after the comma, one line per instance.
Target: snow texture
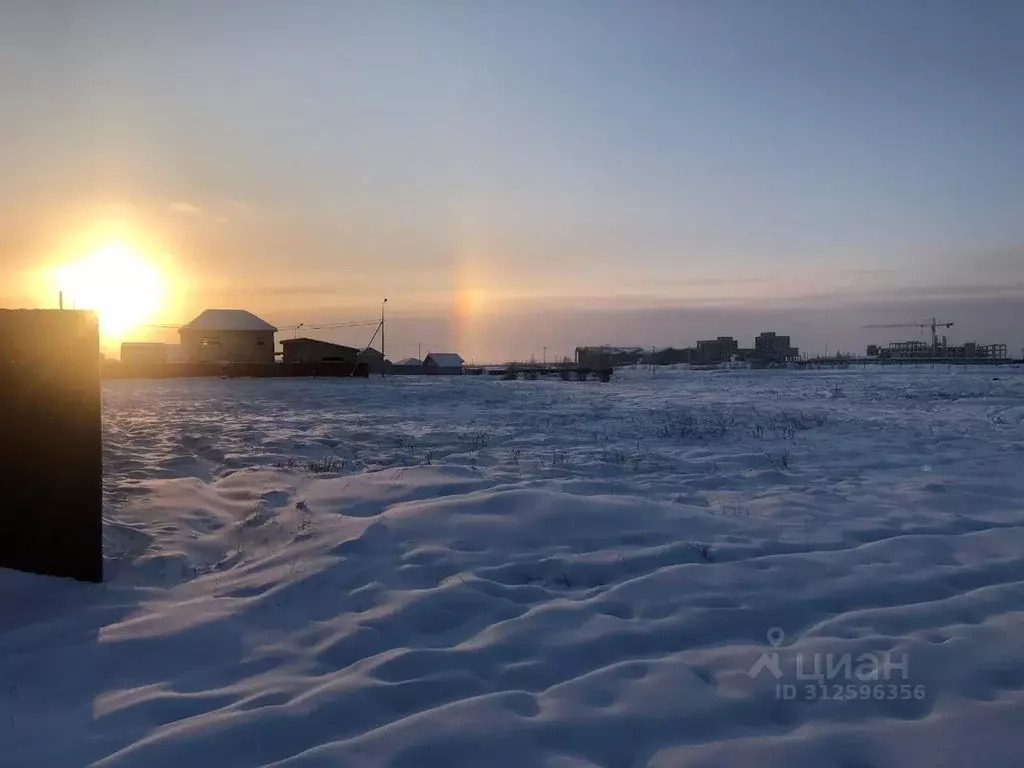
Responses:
[438,573]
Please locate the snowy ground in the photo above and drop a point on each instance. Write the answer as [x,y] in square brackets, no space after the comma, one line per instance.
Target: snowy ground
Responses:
[436,573]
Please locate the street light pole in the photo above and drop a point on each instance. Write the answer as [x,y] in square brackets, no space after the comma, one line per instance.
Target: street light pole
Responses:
[382,336]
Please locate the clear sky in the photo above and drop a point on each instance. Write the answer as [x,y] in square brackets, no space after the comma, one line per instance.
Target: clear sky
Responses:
[496,169]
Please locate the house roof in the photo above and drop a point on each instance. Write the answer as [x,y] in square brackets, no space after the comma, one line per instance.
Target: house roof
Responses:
[445,359]
[409,361]
[228,320]
[286,342]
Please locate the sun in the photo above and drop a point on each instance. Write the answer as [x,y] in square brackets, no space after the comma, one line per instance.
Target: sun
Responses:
[118,284]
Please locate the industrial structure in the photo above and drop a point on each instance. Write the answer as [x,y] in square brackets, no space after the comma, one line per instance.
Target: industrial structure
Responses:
[919,350]
[938,349]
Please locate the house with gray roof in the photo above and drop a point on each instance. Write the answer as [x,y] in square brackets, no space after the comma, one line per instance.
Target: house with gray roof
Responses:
[227,336]
[443,363]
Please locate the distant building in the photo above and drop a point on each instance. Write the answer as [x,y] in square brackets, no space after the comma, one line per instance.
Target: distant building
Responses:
[920,350]
[670,356]
[608,356]
[902,350]
[145,353]
[593,357]
[443,363]
[997,351]
[409,365]
[303,350]
[973,351]
[771,346]
[227,336]
[375,361]
[718,350]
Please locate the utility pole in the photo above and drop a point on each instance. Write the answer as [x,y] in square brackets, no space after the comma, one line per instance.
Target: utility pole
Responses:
[295,335]
[382,336]
[60,299]
[419,351]
[545,355]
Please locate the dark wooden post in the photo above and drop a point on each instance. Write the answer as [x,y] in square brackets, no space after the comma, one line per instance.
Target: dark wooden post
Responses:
[51,466]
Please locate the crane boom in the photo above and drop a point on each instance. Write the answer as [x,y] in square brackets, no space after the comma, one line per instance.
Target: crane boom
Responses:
[895,325]
[934,325]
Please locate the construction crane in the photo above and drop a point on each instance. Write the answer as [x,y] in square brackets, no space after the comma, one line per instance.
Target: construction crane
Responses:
[934,325]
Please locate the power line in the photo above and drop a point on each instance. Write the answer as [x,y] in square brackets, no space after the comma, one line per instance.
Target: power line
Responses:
[329,326]
[324,327]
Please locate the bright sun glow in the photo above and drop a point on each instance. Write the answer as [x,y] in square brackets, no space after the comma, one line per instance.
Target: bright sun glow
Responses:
[117,284]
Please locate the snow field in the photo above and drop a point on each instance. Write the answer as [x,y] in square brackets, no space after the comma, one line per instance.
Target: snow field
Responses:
[469,572]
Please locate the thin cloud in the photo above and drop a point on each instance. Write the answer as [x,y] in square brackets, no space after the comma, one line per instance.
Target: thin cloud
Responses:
[1006,289]
[713,282]
[186,209]
[1011,256]
[297,290]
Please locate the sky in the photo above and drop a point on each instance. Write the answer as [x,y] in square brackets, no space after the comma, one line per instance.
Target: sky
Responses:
[515,176]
